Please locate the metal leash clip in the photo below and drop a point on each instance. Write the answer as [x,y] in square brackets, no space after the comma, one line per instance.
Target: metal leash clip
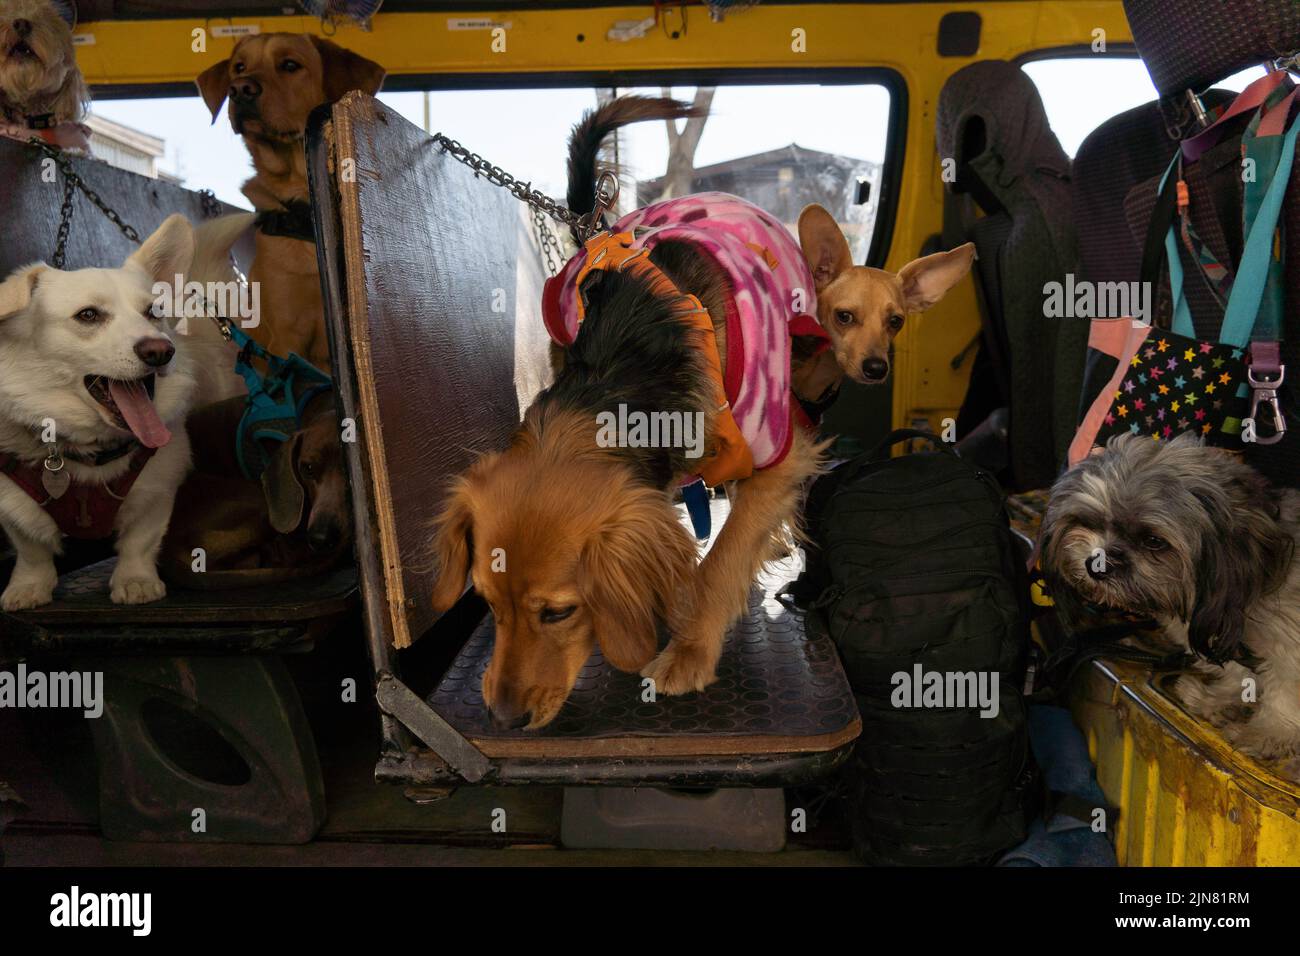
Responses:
[606,197]
[1264,392]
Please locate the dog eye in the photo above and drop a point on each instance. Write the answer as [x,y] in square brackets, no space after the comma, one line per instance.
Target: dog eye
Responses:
[239,68]
[308,469]
[88,314]
[552,615]
[895,322]
[290,66]
[844,317]
[1154,543]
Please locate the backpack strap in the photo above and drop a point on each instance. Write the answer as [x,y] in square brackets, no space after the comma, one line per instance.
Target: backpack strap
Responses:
[906,434]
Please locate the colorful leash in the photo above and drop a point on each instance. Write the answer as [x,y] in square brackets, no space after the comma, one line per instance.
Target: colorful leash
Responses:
[1253,310]
[1218,276]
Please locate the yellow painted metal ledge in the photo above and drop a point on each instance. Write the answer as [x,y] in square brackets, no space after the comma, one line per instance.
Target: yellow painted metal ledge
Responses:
[1185,797]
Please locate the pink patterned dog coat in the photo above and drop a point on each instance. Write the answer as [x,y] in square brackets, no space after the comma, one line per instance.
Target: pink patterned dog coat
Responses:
[772,298]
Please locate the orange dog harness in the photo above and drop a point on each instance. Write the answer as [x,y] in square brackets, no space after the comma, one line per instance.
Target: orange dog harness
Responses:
[728,457]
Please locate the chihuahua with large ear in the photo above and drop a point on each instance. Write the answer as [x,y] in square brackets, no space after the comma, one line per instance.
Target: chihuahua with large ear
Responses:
[862,309]
[93,390]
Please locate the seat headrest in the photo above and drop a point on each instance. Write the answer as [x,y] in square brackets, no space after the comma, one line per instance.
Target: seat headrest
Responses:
[1192,44]
[992,106]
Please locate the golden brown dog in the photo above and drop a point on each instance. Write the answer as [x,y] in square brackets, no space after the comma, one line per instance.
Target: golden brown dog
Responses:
[273,81]
[574,544]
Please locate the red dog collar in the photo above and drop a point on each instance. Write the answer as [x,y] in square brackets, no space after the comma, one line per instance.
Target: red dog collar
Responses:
[86,511]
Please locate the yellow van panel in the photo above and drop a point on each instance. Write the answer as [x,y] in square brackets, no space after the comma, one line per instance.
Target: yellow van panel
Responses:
[899,36]
[1185,797]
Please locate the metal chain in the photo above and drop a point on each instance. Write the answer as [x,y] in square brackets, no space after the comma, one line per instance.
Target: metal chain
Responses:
[65,224]
[524,192]
[72,181]
[211,207]
[210,204]
[549,243]
[583,226]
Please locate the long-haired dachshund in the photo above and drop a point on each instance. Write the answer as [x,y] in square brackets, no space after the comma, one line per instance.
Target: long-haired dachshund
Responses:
[574,541]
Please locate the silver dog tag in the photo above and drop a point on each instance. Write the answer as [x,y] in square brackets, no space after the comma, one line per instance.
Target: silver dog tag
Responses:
[55,478]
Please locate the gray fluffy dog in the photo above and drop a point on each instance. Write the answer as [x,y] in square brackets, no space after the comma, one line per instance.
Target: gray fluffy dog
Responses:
[1190,536]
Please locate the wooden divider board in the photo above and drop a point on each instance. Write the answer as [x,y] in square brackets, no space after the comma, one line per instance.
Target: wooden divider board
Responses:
[439,303]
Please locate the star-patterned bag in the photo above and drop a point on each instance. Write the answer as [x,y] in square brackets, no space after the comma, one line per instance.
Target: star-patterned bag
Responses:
[1166,381]
[1165,384]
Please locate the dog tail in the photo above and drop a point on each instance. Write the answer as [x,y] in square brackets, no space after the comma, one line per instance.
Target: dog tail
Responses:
[212,357]
[590,132]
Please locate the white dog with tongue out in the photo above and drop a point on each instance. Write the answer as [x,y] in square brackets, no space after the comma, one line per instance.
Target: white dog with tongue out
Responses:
[93,398]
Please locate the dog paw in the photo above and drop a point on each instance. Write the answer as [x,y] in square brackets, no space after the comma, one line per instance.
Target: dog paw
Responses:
[20,595]
[681,668]
[136,590]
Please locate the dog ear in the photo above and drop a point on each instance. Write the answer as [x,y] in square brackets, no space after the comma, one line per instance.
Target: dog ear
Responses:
[73,98]
[1248,556]
[345,71]
[824,247]
[214,84]
[453,544]
[630,573]
[928,279]
[67,11]
[16,291]
[285,497]
[169,252]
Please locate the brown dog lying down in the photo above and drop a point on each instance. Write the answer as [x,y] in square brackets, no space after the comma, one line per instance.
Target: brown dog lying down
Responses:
[295,522]
[574,541]
[273,82]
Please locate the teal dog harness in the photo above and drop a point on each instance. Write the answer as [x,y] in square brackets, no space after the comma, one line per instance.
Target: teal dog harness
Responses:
[276,401]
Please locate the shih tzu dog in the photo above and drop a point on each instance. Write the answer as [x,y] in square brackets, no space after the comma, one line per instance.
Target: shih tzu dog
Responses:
[42,92]
[1191,537]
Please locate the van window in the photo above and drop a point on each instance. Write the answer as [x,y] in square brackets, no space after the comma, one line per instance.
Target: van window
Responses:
[1082,92]
[780,146]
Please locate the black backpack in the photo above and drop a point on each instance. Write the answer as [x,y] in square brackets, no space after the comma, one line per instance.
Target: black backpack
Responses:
[912,562]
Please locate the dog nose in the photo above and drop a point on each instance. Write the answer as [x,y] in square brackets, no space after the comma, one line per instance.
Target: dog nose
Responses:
[1113,558]
[874,369]
[246,89]
[323,536]
[507,721]
[155,352]
[23,28]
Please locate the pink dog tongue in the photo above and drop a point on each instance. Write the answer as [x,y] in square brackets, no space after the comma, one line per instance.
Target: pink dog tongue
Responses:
[141,417]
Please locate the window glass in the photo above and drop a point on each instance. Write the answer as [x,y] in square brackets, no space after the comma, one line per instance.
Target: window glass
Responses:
[780,146]
[1082,92]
